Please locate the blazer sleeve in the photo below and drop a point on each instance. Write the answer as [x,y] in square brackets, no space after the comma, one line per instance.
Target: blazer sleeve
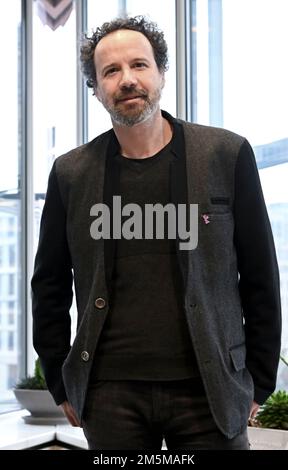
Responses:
[52,291]
[258,276]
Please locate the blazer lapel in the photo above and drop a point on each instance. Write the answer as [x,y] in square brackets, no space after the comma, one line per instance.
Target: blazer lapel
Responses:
[178,188]
[111,188]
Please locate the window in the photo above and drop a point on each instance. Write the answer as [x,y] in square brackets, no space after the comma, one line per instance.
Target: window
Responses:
[11,226]
[12,375]
[11,284]
[11,307]
[11,196]
[11,341]
[54,99]
[10,313]
[55,59]
[241,77]
[11,255]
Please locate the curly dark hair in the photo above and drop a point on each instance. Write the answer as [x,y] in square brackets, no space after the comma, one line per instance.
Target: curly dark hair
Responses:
[137,23]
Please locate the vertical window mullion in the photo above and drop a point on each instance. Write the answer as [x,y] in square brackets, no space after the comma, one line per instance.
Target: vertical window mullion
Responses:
[82,96]
[27,186]
[181,58]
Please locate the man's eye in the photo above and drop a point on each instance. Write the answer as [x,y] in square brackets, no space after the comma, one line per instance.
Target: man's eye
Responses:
[110,71]
[139,65]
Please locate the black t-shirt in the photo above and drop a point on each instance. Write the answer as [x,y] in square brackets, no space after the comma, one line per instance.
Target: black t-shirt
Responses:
[145,335]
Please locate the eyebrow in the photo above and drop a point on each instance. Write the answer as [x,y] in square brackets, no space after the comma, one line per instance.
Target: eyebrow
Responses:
[115,64]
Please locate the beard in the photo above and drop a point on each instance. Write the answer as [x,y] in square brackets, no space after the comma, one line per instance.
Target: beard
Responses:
[129,114]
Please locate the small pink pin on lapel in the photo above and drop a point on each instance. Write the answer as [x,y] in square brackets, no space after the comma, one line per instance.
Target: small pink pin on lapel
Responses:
[206,218]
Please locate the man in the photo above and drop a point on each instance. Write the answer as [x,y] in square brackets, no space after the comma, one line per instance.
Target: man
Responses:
[173,340]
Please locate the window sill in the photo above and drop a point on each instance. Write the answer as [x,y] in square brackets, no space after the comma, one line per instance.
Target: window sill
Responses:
[15,434]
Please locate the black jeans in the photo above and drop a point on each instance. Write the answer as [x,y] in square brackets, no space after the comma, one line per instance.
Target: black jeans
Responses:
[134,415]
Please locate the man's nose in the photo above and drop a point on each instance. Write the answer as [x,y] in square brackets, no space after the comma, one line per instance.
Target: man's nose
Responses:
[128,78]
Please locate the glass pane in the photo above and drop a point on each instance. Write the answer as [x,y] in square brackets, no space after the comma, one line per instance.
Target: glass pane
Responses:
[54,101]
[98,119]
[11,348]
[242,77]
[54,96]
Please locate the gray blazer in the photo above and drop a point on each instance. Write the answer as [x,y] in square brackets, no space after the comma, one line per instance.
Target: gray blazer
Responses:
[231,301]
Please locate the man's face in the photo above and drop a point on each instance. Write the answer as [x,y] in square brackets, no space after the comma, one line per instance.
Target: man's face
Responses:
[129,83]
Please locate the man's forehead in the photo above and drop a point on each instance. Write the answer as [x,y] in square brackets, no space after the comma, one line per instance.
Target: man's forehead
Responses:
[123,40]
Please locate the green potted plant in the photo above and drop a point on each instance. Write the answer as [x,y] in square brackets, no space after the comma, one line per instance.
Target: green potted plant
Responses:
[33,395]
[269,430]
[36,382]
[273,413]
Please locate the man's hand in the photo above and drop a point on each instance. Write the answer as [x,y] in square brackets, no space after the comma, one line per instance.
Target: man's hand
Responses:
[254,409]
[70,414]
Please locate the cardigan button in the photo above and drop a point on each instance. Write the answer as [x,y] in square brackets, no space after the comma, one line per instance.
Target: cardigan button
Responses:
[100,303]
[85,356]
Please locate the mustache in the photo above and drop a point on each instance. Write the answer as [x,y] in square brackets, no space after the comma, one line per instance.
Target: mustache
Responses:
[130,93]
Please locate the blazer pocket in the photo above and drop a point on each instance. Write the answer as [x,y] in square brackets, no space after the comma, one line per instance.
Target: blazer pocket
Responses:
[238,356]
[220,200]
[221,212]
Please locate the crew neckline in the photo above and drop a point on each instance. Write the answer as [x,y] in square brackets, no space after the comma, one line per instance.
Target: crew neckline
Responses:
[147,159]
